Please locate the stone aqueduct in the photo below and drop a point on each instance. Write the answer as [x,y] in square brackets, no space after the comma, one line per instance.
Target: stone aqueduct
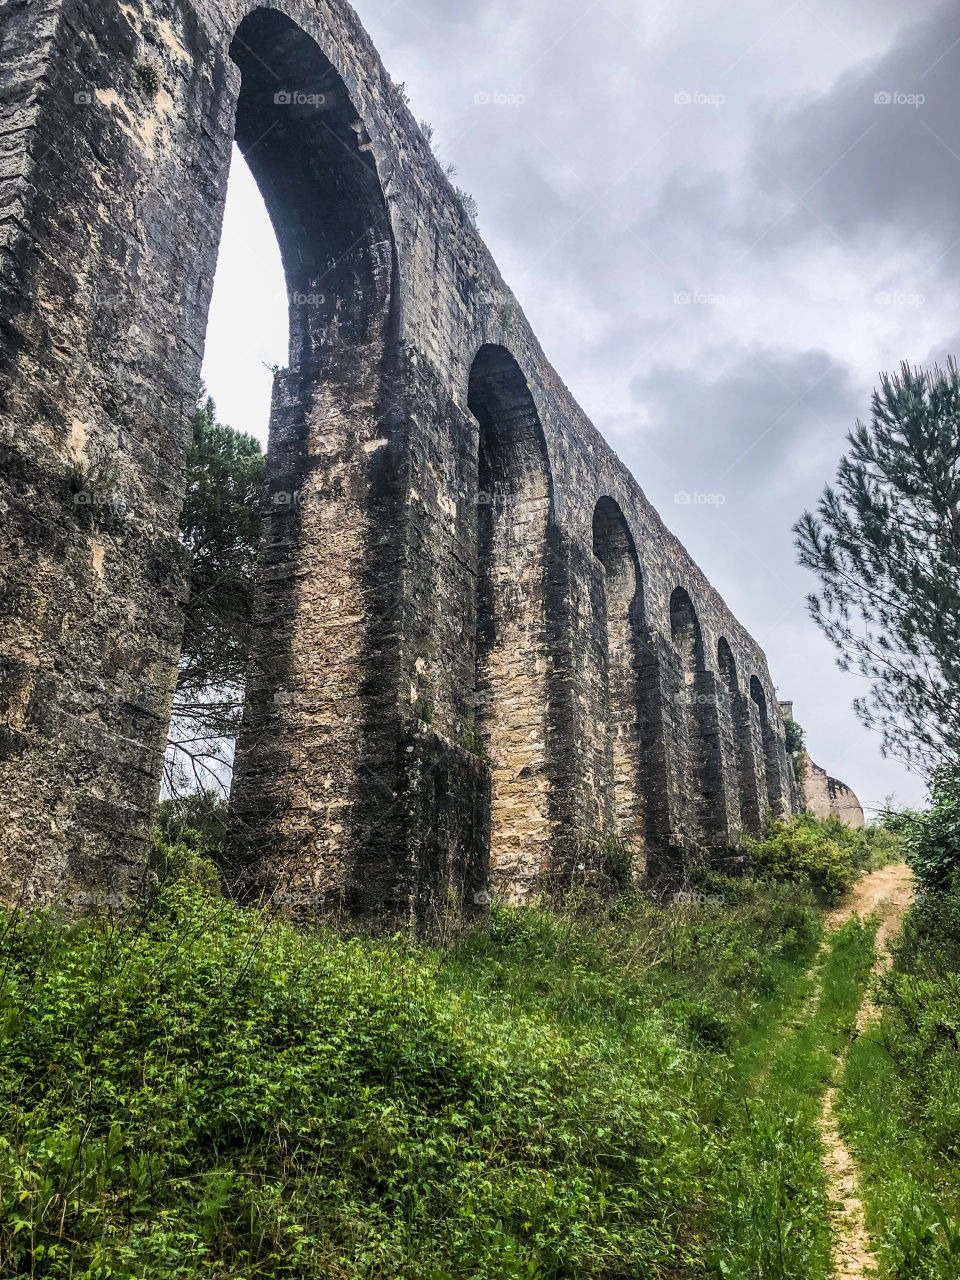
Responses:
[474,633]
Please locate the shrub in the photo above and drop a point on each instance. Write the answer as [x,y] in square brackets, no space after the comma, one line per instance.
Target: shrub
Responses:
[148,78]
[825,854]
[920,999]
[806,851]
[933,842]
[920,996]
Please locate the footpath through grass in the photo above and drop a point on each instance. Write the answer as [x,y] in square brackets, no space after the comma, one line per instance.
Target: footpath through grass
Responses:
[197,1091]
[900,1100]
[771,1217]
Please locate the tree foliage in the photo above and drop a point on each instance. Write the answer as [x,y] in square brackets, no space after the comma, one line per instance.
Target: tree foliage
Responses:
[220,526]
[885,543]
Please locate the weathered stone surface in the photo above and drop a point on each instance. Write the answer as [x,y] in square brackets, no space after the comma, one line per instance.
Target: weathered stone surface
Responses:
[827,797]
[473,629]
[824,796]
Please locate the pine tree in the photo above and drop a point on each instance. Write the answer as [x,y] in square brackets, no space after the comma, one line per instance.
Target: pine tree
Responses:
[220,526]
[885,542]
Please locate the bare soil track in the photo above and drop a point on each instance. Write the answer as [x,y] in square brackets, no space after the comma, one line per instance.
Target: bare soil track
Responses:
[886,894]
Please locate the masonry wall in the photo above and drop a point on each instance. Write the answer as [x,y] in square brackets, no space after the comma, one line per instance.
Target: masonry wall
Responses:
[827,797]
[440,649]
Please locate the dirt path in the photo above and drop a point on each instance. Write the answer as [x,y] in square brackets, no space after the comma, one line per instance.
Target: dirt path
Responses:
[886,894]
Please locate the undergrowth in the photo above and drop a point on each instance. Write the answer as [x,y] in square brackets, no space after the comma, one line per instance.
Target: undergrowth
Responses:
[825,854]
[196,1089]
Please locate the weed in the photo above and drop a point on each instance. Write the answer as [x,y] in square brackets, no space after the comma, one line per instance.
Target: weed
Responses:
[148,78]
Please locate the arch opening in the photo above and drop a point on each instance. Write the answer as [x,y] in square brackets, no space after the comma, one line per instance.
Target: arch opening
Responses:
[622,636]
[727,666]
[515,495]
[770,747]
[750,809]
[310,154]
[686,635]
[696,743]
[298,780]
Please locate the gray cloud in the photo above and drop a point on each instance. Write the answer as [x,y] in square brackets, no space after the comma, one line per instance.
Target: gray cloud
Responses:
[882,148]
[738,430]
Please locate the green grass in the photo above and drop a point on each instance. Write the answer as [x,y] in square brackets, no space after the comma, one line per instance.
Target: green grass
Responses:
[771,1218]
[911,1197]
[199,1091]
[900,1102]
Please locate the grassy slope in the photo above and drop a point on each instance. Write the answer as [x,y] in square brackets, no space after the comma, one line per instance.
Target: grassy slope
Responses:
[197,1094]
[770,1213]
[606,1093]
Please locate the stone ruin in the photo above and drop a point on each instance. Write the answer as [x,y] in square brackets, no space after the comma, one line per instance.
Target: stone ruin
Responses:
[481,661]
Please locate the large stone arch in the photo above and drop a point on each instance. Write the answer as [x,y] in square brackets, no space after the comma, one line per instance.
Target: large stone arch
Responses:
[360,776]
[325,802]
[513,657]
[315,759]
[751,784]
[699,766]
[774,761]
[687,640]
[621,627]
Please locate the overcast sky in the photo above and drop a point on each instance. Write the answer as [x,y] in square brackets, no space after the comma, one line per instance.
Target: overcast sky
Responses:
[722,222]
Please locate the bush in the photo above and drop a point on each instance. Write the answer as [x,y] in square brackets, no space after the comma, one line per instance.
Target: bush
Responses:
[933,842]
[827,855]
[920,996]
[197,820]
[805,851]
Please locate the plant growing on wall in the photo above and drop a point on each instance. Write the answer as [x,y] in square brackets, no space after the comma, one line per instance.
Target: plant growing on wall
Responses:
[796,746]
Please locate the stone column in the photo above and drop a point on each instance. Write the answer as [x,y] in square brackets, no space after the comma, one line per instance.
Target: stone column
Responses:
[720,812]
[110,205]
[354,789]
[753,795]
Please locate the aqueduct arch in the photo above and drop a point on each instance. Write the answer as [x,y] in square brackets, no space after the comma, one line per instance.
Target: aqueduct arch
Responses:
[694,739]
[514,510]
[751,766]
[311,741]
[623,636]
[389,594]
[775,774]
